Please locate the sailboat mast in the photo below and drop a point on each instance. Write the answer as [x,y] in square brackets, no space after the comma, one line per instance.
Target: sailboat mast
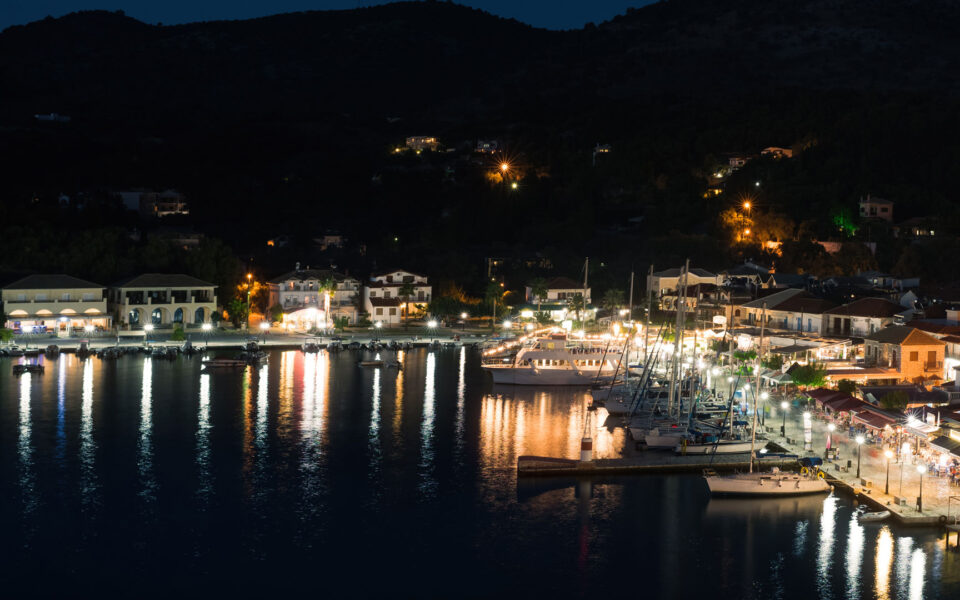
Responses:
[583,299]
[646,332]
[756,383]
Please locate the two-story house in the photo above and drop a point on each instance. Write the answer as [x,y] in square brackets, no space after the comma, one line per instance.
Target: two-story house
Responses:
[663,282]
[162,300]
[61,303]
[557,300]
[863,317]
[790,309]
[915,355]
[876,208]
[384,299]
[298,294]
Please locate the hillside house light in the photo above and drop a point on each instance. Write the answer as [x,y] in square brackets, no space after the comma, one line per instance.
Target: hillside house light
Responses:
[757,184]
[504,167]
[514,185]
[746,206]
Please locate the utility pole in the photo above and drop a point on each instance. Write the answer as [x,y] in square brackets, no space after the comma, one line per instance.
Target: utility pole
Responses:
[646,332]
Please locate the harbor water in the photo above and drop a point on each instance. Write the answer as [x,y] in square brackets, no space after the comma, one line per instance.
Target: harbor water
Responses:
[310,474]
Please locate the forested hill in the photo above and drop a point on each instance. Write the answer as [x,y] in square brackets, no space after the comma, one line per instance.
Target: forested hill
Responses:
[298,112]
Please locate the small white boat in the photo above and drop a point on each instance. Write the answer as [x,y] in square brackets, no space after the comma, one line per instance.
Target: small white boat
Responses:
[874,517]
[773,483]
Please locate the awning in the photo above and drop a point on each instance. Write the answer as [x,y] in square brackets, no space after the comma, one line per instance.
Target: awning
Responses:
[872,420]
[944,444]
[777,377]
[920,429]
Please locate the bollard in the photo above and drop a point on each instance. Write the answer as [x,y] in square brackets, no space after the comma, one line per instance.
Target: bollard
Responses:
[586,449]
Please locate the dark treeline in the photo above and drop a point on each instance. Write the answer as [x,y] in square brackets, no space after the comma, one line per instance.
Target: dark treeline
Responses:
[285,126]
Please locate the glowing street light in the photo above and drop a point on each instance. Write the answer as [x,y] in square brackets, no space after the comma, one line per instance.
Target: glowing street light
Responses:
[148,327]
[514,185]
[830,429]
[463,315]
[506,324]
[860,441]
[504,167]
[746,206]
[431,324]
[206,327]
[88,328]
[378,324]
[888,455]
[921,470]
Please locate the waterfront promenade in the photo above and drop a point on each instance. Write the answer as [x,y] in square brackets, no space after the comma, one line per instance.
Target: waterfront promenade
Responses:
[940,496]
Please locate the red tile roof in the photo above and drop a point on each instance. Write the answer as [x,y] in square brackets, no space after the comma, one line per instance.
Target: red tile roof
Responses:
[868,307]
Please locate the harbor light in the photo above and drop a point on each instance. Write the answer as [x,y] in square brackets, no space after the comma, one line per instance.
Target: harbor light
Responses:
[921,469]
[513,185]
[504,167]
[506,324]
[526,314]
[784,405]
[431,324]
[148,327]
[529,327]
[378,324]
[764,395]
[88,328]
[264,325]
[463,315]
[206,327]
[831,427]
[746,206]
[729,379]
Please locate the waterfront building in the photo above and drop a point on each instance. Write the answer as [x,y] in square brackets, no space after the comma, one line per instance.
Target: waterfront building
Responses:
[863,317]
[914,355]
[556,302]
[384,301]
[60,303]
[162,300]
[298,294]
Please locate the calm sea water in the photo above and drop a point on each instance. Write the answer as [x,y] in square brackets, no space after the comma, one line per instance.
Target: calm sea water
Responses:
[144,478]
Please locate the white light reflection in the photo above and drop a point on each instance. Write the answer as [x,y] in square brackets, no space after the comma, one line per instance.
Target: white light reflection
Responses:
[145,447]
[800,537]
[904,549]
[24,449]
[203,437]
[825,553]
[375,408]
[88,474]
[61,411]
[426,428]
[263,376]
[884,561]
[461,395]
[854,557]
[918,564]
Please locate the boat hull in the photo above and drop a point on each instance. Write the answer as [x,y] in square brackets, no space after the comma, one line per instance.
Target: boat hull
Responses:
[526,376]
[765,485]
[720,448]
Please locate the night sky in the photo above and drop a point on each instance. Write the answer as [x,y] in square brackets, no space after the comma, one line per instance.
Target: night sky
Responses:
[553,14]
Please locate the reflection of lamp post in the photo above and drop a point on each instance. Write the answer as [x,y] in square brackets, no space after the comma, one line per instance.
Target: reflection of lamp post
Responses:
[886,488]
[783,412]
[921,470]
[860,441]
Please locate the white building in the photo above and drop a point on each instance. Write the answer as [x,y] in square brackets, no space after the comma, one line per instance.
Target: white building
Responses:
[162,300]
[666,281]
[304,306]
[60,303]
[384,301]
[556,301]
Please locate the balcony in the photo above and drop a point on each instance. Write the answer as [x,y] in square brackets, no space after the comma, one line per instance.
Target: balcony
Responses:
[934,365]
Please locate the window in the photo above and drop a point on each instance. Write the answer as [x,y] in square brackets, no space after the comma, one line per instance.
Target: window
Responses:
[373,294]
[386,293]
[157,316]
[379,311]
[393,311]
[178,316]
[134,317]
[42,297]
[932,356]
[88,296]
[198,316]
[65,296]
[914,356]
[21,297]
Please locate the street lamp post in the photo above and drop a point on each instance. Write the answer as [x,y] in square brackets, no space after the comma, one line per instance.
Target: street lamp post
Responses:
[783,425]
[249,289]
[432,325]
[886,488]
[463,321]
[860,441]
[206,327]
[921,470]
[146,335]
[264,327]
[377,326]
[830,429]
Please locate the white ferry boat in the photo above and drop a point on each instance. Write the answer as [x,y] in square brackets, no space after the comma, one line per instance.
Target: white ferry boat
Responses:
[555,360]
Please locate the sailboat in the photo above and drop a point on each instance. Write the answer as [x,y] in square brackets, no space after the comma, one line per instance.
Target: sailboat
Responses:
[810,480]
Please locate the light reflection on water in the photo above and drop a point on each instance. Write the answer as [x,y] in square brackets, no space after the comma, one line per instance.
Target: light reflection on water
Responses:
[309,459]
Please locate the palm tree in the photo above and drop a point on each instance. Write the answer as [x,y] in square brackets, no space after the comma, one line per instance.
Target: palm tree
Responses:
[492,295]
[538,288]
[326,288]
[613,300]
[405,292]
[576,304]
